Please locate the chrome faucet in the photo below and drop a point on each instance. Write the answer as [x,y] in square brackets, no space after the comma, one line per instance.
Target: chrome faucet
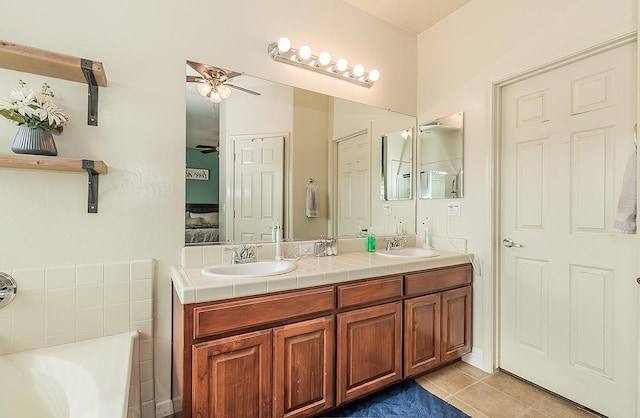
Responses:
[247,254]
[395,243]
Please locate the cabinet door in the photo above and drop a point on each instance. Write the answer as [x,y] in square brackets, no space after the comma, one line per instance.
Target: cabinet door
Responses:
[232,376]
[369,350]
[456,323]
[303,364]
[421,334]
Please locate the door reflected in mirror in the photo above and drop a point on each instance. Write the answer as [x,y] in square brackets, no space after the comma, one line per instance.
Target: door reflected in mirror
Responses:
[396,165]
[440,158]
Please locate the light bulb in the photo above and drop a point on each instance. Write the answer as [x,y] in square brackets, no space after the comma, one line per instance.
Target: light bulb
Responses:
[342,64]
[225,91]
[324,58]
[374,75]
[284,45]
[204,88]
[358,70]
[215,97]
[305,52]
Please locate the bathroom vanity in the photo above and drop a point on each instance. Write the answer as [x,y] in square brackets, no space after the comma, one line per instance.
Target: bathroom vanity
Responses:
[336,329]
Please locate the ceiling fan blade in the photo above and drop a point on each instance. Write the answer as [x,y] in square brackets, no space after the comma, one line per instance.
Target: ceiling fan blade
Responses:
[243,89]
[201,69]
[232,74]
[194,79]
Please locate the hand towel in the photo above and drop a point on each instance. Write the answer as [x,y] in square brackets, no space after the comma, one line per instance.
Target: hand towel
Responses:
[311,206]
[627,207]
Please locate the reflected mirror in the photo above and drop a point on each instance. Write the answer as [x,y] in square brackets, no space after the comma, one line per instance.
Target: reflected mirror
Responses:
[440,158]
[250,159]
[396,165]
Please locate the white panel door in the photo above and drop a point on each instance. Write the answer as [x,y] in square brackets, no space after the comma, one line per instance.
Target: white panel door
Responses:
[258,187]
[354,175]
[568,306]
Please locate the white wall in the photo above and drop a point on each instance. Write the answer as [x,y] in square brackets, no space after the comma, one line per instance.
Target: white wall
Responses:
[483,42]
[141,134]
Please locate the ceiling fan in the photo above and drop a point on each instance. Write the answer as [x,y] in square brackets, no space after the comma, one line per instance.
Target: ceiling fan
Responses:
[208,149]
[214,82]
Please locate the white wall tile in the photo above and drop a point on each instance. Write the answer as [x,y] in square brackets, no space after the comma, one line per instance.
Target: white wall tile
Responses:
[90,319]
[141,289]
[60,323]
[141,269]
[88,274]
[89,296]
[141,310]
[57,300]
[60,276]
[116,293]
[192,256]
[28,327]
[28,303]
[90,334]
[146,391]
[116,314]
[29,279]
[146,370]
[149,409]
[146,350]
[60,304]
[118,271]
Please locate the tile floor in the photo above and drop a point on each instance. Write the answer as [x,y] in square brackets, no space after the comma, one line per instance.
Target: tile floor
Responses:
[484,395]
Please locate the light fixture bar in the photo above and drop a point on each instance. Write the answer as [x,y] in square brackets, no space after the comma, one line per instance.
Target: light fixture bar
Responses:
[303,59]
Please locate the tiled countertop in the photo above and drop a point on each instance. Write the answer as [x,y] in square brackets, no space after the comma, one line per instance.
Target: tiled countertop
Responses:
[191,286]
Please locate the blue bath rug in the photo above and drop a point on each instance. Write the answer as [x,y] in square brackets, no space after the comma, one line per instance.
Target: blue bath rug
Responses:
[406,399]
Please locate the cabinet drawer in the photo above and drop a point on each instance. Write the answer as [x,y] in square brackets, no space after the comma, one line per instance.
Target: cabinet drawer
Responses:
[217,318]
[437,279]
[369,291]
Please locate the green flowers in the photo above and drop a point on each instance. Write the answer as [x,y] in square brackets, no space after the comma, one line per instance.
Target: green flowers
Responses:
[36,109]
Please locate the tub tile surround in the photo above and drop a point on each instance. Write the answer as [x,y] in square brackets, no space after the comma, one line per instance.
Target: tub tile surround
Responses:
[352,263]
[62,304]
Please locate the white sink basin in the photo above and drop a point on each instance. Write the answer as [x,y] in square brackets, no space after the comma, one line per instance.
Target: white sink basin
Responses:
[409,253]
[257,269]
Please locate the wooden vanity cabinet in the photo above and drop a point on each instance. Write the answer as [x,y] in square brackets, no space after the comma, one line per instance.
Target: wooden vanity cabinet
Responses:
[437,326]
[303,365]
[232,376]
[301,352]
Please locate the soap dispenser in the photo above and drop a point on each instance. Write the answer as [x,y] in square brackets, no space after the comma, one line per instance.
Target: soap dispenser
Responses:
[371,241]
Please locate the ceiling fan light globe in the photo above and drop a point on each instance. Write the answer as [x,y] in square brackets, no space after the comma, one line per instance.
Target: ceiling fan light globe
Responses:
[225,91]
[204,88]
[215,97]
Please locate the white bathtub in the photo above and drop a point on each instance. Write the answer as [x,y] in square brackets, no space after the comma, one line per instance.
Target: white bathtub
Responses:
[86,379]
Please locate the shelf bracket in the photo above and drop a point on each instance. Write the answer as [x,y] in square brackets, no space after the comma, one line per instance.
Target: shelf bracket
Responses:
[87,70]
[93,186]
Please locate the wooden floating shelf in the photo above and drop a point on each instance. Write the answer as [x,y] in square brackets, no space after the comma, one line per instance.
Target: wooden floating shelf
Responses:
[51,64]
[40,162]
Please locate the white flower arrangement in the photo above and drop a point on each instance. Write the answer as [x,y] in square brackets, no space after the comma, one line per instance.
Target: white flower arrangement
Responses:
[36,109]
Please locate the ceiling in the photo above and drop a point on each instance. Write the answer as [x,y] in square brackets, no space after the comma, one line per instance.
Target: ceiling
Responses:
[414,16]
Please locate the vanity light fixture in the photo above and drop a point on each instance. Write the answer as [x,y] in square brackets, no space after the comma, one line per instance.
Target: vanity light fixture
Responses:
[282,51]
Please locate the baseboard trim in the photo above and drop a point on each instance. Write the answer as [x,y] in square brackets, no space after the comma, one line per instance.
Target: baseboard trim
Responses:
[164,409]
[475,358]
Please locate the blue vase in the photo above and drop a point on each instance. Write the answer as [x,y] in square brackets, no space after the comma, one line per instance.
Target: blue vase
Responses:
[36,141]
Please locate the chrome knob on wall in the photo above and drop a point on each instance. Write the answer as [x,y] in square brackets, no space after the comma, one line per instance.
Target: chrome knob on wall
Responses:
[8,289]
[508,242]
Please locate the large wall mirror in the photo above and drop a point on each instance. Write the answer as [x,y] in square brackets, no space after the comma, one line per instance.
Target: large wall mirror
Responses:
[396,165]
[440,159]
[265,153]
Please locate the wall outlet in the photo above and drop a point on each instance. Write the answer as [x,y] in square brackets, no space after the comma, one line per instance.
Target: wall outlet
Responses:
[453,209]
[306,249]
[386,209]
